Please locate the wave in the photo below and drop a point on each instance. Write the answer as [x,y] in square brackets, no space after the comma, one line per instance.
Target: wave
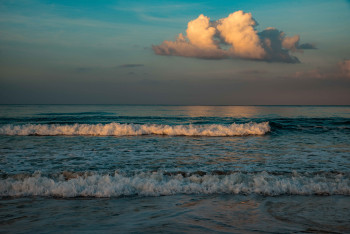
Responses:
[68,184]
[117,129]
[316,125]
[77,113]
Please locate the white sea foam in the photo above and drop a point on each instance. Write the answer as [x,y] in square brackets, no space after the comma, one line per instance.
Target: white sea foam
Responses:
[117,129]
[157,184]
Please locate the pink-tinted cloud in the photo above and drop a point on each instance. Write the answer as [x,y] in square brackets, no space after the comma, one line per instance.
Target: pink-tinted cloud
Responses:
[198,43]
[232,37]
[199,33]
[344,68]
[339,71]
[181,47]
[238,31]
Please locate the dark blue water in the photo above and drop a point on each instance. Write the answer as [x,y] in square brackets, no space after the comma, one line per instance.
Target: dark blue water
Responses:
[175,168]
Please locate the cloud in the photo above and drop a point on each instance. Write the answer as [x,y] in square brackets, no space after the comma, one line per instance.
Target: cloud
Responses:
[289,43]
[199,33]
[233,37]
[307,46]
[83,69]
[253,72]
[238,31]
[339,71]
[155,12]
[277,46]
[344,68]
[181,47]
[129,65]
[199,42]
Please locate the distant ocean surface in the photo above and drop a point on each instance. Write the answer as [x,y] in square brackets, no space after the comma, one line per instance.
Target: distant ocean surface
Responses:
[115,168]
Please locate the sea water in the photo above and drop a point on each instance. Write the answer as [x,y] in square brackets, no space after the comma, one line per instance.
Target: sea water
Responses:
[90,168]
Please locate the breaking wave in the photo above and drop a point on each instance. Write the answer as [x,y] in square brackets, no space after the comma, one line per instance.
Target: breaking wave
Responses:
[117,129]
[69,184]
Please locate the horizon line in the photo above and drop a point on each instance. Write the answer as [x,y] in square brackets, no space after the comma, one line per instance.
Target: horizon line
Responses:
[106,104]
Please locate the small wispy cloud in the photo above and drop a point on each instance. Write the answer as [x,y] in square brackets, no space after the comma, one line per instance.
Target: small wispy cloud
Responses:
[130,65]
[341,70]
[56,21]
[156,12]
[83,69]
[307,46]
[154,8]
[253,72]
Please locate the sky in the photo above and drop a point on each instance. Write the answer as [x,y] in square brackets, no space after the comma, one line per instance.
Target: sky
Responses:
[175,52]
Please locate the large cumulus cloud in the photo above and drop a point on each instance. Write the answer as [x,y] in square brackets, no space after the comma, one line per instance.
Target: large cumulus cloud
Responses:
[233,37]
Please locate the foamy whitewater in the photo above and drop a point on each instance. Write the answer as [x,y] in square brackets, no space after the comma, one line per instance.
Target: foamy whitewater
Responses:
[116,129]
[210,169]
[157,184]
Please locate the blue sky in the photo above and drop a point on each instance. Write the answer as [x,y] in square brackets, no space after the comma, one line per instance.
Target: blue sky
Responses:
[101,52]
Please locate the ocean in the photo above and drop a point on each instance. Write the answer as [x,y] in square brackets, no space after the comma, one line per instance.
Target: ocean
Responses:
[221,169]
